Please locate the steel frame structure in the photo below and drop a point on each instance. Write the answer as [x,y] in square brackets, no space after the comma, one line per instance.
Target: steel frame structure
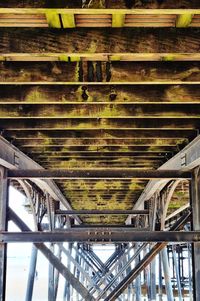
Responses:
[85,273]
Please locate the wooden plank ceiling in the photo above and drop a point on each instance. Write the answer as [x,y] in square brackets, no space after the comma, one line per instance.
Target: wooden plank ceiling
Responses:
[100,84]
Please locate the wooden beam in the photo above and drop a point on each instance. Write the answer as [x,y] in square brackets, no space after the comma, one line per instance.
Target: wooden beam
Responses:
[98,124]
[158,12]
[63,73]
[163,40]
[104,151]
[98,110]
[120,94]
[97,142]
[167,4]
[41,4]
[54,57]
[99,17]
[104,133]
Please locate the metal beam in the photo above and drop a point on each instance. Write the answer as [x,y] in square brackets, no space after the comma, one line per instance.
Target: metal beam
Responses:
[101,212]
[12,157]
[53,259]
[187,159]
[109,173]
[103,235]
[96,236]
[195,200]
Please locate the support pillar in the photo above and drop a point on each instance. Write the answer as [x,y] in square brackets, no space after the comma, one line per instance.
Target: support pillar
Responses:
[3,227]
[195,202]
[153,280]
[166,270]
[31,276]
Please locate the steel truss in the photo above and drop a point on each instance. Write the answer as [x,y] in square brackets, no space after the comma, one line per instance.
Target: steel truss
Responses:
[70,252]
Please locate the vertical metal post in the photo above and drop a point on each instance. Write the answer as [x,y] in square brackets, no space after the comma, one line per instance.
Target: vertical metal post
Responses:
[195,202]
[190,272]
[160,286]
[166,270]
[3,227]
[57,274]
[138,279]
[51,292]
[31,276]
[153,280]
[67,285]
[177,273]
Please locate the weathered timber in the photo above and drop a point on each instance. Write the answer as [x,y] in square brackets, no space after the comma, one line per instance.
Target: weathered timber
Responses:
[98,57]
[103,133]
[97,142]
[39,124]
[121,94]
[98,110]
[159,40]
[99,185]
[117,72]
[43,3]
[92,151]
[62,165]
[100,4]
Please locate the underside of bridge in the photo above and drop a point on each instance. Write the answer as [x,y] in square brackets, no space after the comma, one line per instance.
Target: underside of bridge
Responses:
[99,131]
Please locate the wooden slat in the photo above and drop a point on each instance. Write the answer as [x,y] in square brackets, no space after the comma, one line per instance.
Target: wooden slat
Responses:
[103,18]
[100,11]
[137,57]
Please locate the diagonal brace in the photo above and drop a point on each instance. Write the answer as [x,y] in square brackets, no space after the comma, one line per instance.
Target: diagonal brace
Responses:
[74,282]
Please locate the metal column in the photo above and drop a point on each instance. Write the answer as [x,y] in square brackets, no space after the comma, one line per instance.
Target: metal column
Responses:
[3,227]
[195,200]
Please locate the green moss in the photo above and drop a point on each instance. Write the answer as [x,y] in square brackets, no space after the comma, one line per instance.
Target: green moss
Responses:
[34,95]
[53,19]
[63,58]
[168,58]
[76,75]
[184,20]
[93,47]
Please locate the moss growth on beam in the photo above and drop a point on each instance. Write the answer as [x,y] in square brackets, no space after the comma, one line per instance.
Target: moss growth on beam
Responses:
[184,20]
[53,19]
